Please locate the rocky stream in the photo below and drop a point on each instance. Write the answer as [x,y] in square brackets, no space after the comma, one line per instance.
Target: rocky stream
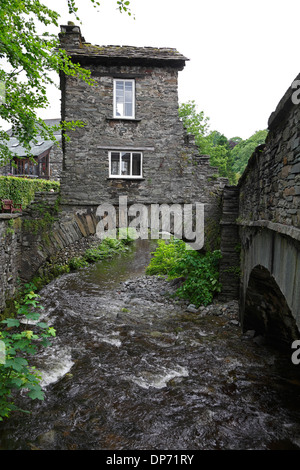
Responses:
[133,367]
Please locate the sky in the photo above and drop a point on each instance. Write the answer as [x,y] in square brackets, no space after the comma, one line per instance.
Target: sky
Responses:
[243,55]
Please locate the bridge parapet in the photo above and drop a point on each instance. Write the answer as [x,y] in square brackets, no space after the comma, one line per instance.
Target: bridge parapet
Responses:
[269,227]
[270,186]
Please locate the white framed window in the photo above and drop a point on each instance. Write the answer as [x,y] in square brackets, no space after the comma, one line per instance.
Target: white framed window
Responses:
[124,99]
[125,165]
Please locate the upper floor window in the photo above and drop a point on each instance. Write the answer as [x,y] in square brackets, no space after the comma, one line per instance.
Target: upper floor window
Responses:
[124,99]
[125,164]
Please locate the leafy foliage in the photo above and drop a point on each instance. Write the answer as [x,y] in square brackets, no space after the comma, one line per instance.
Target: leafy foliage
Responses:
[244,149]
[22,190]
[230,156]
[196,123]
[106,249]
[211,143]
[16,375]
[200,271]
[32,59]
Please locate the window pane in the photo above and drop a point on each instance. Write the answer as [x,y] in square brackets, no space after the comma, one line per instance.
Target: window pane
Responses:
[128,109]
[119,86]
[119,108]
[115,164]
[136,164]
[125,168]
[123,99]
[119,93]
[128,96]
[119,98]
[128,99]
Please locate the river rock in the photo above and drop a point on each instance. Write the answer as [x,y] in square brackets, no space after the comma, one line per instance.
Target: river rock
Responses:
[192,308]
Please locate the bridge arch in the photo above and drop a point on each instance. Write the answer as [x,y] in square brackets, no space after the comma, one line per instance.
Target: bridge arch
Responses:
[270,287]
[266,309]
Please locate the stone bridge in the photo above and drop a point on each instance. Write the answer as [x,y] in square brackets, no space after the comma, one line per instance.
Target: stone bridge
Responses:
[261,231]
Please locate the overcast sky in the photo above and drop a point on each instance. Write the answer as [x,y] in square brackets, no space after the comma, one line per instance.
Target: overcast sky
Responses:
[243,54]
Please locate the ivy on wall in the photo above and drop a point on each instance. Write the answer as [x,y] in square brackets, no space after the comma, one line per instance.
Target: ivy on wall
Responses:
[22,190]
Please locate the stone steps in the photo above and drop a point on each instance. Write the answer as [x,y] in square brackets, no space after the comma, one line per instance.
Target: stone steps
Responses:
[230,262]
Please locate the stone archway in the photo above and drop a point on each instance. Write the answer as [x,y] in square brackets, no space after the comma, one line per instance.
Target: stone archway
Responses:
[266,310]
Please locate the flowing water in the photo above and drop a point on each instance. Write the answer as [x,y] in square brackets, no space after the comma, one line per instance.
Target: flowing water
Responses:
[132,368]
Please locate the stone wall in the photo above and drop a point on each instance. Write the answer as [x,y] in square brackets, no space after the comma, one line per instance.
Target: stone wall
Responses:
[55,161]
[10,256]
[172,170]
[269,228]
[54,233]
[270,185]
[43,236]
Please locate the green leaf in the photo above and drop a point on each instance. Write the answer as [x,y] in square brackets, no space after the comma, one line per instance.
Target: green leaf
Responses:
[11,322]
[17,382]
[42,325]
[36,392]
[17,363]
[32,316]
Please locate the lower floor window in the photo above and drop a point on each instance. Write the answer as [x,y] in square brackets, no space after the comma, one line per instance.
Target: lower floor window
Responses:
[125,164]
[27,167]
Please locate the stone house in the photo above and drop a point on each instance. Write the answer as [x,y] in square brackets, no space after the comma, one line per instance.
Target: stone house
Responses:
[133,143]
[47,157]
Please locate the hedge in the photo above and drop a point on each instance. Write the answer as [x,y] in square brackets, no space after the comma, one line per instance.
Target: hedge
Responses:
[22,190]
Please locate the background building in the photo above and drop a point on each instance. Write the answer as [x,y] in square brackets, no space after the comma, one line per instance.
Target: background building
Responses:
[47,157]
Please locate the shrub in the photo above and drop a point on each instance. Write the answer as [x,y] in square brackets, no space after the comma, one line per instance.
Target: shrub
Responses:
[200,271]
[22,190]
[19,342]
[166,257]
[107,248]
[92,255]
[77,262]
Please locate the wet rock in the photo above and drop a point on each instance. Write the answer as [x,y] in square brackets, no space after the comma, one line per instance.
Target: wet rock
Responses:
[192,308]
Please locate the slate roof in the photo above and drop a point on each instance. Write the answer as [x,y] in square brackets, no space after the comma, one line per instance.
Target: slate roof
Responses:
[129,52]
[36,149]
[85,51]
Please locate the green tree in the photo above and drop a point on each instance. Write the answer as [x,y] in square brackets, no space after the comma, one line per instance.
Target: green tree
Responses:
[211,143]
[28,60]
[220,156]
[241,153]
[196,123]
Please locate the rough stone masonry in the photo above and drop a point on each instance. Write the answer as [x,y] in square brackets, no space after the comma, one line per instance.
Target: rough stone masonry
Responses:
[172,169]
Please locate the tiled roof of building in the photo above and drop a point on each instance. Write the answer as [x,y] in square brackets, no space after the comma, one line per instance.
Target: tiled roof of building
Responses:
[129,52]
[37,148]
[78,48]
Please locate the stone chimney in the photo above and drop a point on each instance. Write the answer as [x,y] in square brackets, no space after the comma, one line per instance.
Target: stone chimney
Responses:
[70,36]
